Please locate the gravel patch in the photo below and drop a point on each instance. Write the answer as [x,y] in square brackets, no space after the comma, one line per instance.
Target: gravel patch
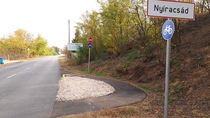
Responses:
[75,88]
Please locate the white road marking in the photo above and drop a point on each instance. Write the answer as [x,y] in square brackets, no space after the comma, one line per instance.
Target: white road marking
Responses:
[28,68]
[11,76]
[36,63]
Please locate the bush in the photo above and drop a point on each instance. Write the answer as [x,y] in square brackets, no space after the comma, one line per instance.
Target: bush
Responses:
[51,53]
[81,55]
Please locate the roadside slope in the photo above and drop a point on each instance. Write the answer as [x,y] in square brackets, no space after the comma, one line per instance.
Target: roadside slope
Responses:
[189,78]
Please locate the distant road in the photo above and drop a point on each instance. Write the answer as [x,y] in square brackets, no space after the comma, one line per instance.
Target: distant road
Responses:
[28,89]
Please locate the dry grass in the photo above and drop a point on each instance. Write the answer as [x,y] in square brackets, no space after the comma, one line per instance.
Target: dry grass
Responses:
[144,109]
[152,106]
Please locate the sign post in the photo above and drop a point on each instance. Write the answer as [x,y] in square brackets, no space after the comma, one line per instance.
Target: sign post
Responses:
[167,77]
[167,33]
[169,9]
[89,62]
[90,46]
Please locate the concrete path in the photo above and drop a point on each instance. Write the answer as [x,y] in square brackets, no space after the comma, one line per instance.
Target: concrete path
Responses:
[124,94]
[7,61]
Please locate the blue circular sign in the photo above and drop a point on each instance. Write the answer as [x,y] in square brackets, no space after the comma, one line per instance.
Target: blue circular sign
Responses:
[168,29]
[90,45]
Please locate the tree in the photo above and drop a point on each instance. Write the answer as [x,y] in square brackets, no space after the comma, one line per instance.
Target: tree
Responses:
[40,45]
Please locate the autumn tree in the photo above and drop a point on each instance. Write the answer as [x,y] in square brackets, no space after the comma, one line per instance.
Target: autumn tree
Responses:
[121,26]
[16,45]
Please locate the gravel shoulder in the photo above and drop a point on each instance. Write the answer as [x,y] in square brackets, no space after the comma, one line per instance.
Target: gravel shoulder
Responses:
[76,88]
[124,94]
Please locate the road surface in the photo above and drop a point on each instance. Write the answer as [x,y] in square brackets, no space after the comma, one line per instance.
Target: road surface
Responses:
[28,89]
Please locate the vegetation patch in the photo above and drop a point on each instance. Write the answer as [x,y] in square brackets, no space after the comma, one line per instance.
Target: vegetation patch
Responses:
[177,89]
[100,74]
[97,62]
[154,89]
[125,64]
[175,62]
[134,53]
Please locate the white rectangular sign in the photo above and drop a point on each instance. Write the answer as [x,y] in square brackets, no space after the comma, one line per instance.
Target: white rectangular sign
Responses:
[74,46]
[171,9]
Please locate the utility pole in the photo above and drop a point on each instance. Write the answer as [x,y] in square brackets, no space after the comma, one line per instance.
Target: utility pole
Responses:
[69,31]
[69,36]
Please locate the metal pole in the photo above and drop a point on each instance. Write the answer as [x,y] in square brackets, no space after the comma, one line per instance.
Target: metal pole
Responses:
[167,77]
[89,62]
[69,35]
[69,30]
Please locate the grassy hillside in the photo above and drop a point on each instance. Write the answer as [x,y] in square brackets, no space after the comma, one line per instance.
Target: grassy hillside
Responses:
[189,77]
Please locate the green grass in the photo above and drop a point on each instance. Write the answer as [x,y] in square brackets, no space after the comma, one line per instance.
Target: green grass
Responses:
[154,89]
[172,80]
[199,58]
[177,89]
[171,99]
[144,87]
[132,54]
[123,55]
[158,89]
[85,70]
[100,74]
[125,64]
[123,79]
[131,110]
[175,62]
[109,63]
[96,62]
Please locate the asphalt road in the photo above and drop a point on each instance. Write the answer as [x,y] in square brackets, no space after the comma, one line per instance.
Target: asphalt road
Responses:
[28,89]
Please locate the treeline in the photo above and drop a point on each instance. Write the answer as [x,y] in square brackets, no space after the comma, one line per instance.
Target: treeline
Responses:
[17,45]
[122,26]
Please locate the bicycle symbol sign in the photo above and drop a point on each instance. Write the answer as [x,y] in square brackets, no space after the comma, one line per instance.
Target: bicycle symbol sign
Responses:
[168,29]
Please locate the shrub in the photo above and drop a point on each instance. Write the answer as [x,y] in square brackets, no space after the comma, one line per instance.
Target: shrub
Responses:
[80,56]
[51,53]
